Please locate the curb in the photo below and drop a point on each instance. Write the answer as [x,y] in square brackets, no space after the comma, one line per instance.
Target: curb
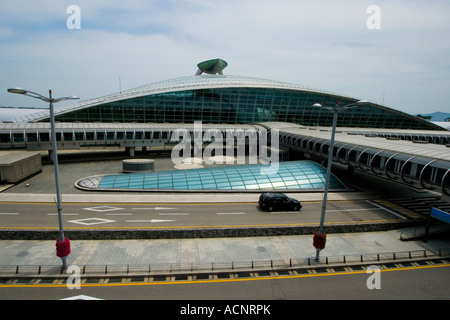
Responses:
[185,233]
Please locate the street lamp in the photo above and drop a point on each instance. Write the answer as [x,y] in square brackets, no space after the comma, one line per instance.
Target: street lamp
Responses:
[336,109]
[51,101]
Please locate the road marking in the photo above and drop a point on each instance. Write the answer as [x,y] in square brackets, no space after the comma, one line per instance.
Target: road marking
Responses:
[369,209]
[118,214]
[81,297]
[222,213]
[64,214]
[151,221]
[173,214]
[93,221]
[156,208]
[385,209]
[103,208]
[9,213]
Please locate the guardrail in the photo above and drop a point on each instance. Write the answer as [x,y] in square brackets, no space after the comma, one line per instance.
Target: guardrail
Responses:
[17,271]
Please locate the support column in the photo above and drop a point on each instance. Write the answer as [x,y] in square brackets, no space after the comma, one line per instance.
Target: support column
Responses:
[51,156]
[130,151]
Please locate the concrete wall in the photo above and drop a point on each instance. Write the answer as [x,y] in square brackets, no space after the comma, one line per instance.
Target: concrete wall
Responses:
[184,233]
[18,165]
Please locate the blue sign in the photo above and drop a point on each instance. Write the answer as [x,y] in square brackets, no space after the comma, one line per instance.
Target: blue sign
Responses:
[440,215]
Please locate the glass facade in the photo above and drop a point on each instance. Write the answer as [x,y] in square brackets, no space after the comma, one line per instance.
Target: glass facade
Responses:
[239,105]
[294,175]
[233,100]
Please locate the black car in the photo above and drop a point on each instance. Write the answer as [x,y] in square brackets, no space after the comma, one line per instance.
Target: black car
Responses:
[271,201]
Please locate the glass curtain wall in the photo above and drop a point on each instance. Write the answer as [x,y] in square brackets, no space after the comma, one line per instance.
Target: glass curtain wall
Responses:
[240,106]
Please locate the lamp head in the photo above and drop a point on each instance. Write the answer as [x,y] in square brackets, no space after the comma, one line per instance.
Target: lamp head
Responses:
[17,90]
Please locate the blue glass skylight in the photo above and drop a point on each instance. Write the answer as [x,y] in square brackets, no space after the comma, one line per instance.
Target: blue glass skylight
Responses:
[290,175]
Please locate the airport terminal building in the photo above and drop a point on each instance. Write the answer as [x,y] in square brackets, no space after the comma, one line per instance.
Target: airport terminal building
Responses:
[371,137]
[218,98]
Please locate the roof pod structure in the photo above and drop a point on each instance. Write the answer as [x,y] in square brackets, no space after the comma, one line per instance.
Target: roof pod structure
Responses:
[214,66]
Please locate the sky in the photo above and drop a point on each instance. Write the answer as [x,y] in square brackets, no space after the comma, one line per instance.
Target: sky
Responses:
[394,53]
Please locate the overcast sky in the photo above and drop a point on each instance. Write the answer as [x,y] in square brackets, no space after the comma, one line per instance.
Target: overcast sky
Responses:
[321,44]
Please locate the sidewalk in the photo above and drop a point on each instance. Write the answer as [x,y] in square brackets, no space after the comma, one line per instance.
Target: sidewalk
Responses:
[204,252]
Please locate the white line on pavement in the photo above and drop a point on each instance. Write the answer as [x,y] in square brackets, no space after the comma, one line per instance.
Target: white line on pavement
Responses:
[173,214]
[390,211]
[370,209]
[155,208]
[151,221]
[222,213]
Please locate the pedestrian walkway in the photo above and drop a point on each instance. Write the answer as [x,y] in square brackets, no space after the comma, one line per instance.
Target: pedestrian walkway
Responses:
[179,253]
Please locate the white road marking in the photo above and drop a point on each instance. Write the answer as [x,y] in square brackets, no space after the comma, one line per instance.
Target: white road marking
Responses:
[93,221]
[223,213]
[156,208]
[102,208]
[151,221]
[370,209]
[390,211]
[173,214]
[81,297]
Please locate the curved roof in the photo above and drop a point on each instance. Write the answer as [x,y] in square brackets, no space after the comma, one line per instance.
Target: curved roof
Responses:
[201,82]
[174,85]
[292,175]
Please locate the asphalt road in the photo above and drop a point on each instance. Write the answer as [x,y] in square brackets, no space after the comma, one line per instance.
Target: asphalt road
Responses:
[134,215]
[407,283]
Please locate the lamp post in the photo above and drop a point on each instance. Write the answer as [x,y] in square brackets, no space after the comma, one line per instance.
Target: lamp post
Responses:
[336,109]
[51,101]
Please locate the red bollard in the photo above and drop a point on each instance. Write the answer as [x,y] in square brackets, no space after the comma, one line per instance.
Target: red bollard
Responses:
[62,247]
[319,240]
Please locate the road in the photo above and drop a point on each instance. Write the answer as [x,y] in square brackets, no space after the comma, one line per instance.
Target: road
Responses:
[137,215]
[418,282]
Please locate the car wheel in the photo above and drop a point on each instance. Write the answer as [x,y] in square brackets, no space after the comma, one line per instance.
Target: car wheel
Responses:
[295,209]
[270,209]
